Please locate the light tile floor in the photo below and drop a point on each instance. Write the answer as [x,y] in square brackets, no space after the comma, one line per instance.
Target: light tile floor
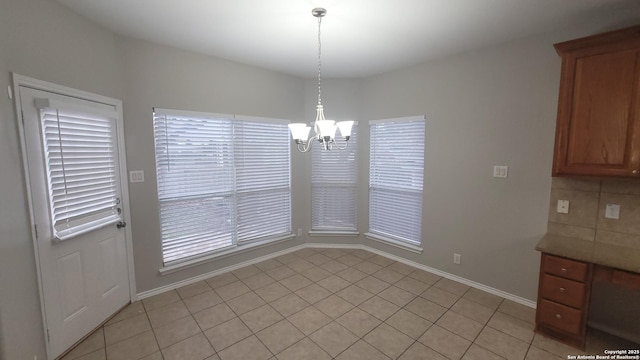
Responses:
[327,304]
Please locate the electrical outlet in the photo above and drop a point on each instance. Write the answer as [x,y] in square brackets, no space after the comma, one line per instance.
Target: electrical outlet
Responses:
[136,176]
[456,258]
[500,171]
[563,207]
[612,211]
[299,232]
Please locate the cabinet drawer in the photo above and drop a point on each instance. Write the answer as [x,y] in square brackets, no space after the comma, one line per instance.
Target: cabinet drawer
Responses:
[560,317]
[568,269]
[567,292]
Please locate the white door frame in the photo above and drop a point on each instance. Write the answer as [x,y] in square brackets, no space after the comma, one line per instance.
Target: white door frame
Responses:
[20,80]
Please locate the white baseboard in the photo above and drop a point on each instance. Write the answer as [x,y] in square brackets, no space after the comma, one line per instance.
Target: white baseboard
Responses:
[334,246]
[479,286]
[195,279]
[473,284]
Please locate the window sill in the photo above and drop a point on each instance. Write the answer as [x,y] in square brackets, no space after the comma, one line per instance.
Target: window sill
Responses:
[221,254]
[333,233]
[395,243]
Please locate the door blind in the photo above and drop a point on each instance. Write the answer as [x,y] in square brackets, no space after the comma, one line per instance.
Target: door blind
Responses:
[396,178]
[334,176]
[80,155]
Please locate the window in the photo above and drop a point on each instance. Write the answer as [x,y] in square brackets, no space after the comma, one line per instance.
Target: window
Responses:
[81,153]
[395,179]
[223,181]
[333,182]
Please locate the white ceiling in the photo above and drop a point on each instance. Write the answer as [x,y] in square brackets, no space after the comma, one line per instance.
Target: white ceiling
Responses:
[359,37]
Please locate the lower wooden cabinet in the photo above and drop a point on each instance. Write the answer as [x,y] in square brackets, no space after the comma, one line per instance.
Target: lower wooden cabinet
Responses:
[560,317]
[563,299]
[563,291]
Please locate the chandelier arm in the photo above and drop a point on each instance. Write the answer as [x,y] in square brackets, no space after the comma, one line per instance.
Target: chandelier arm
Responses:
[346,144]
[302,148]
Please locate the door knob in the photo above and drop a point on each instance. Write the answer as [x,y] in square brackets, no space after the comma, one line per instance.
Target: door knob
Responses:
[121,224]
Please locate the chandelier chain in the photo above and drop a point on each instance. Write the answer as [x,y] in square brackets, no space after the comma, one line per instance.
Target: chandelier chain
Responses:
[319,62]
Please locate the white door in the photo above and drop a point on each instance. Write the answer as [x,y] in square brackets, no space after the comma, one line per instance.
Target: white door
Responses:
[74,178]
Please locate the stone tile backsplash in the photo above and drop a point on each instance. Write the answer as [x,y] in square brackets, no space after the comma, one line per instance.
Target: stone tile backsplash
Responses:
[587,202]
[583,208]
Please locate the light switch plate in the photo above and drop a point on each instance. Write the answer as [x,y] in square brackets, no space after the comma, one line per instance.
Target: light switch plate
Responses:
[612,211]
[563,207]
[500,171]
[136,176]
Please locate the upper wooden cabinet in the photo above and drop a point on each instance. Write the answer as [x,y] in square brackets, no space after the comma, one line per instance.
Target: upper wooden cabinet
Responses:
[598,126]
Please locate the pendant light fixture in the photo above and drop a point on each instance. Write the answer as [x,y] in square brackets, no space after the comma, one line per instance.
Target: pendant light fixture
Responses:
[325,130]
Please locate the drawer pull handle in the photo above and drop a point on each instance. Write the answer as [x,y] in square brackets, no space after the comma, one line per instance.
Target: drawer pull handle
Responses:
[562,290]
[558,316]
[564,270]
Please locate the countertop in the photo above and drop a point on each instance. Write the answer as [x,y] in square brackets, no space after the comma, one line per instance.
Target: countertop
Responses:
[619,257]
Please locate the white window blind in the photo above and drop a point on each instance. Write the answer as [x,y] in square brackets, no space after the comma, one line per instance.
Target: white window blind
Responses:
[221,182]
[334,176]
[263,185]
[194,166]
[395,178]
[81,161]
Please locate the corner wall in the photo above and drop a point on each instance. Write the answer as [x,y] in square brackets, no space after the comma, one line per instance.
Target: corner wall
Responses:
[341,100]
[494,106]
[44,40]
[161,76]
[491,106]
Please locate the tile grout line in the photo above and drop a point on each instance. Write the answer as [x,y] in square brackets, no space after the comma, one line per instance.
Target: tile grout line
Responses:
[240,319]
[390,316]
[155,337]
[266,303]
[349,265]
[310,305]
[481,330]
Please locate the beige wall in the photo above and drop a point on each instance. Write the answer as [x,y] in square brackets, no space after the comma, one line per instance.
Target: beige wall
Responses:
[160,76]
[494,106]
[491,106]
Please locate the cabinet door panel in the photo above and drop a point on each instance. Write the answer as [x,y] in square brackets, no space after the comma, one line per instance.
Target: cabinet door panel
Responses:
[598,125]
[602,103]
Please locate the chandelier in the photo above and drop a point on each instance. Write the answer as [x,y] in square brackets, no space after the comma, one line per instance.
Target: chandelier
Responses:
[325,130]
